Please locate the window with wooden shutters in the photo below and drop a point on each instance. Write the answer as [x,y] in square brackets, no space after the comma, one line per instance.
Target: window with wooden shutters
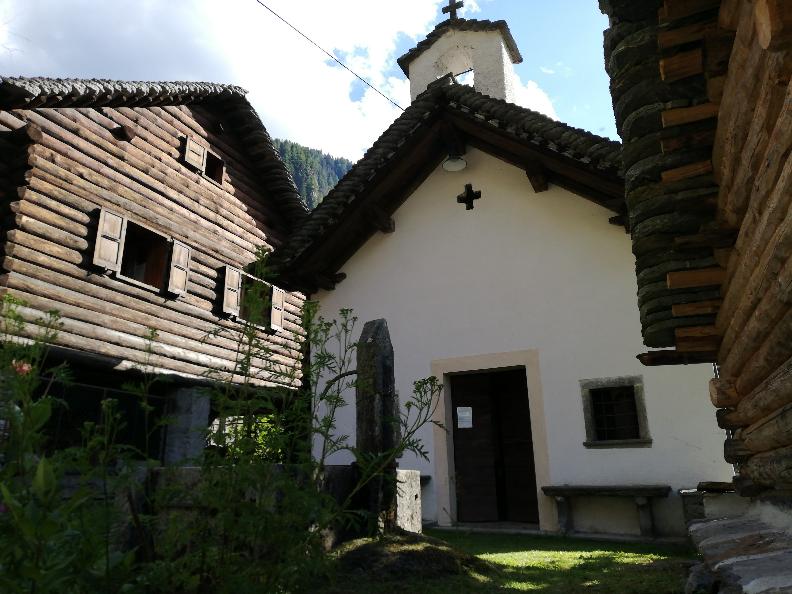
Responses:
[109,240]
[232,291]
[194,154]
[179,268]
[276,312]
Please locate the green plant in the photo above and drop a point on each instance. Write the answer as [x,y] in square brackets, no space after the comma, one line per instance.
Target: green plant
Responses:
[53,538]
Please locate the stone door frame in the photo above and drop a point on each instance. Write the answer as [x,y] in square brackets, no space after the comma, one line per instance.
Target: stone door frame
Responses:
[444,472]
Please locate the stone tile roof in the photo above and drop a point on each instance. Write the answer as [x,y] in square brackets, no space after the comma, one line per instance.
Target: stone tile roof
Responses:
[461,25]
[229,100]
[589,151]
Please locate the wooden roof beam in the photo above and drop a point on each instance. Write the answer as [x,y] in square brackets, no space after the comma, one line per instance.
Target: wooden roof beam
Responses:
[673,357]
[381,220]
[452,139]
[773,19]
[537,176]
[703,277]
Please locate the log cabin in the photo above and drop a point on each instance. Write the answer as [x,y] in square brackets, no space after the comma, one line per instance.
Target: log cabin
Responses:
[703,102]
[132,208]
[491,238]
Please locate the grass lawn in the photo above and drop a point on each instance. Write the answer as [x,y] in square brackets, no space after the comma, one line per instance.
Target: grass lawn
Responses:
[459,562]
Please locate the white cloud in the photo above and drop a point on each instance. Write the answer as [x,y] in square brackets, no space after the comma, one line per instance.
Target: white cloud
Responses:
[298,91]
[547,70]
[532,96]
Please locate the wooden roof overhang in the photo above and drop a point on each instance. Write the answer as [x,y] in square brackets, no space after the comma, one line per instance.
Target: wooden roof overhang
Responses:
[445,127]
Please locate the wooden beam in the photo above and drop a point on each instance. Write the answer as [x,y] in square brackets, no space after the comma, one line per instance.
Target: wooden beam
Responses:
[715,88]
[729,15]
[698,139]
[773,20]
[674,357]
[720,238]
[686,171]
[380,219]
[452,139]
[704,344]
[536,175]
[682,65]
[688,279]
[722,393]
[700,308]
[686,115]
[668,38]
[679,9]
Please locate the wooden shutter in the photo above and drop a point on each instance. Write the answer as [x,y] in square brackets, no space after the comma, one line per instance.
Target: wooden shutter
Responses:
[276,312]
[232,291]
[109,240]
[179,268]
[194,154]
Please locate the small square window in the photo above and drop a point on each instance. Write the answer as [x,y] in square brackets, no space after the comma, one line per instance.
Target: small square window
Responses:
[615,413]
[214,168]
[145,256]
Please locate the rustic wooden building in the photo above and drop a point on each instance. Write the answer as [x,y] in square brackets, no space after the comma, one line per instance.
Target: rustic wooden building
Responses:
[703,102]
[130,207]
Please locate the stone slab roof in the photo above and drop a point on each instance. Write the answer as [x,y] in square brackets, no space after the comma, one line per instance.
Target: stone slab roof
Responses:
[461,25]
[230,102]
[584,150]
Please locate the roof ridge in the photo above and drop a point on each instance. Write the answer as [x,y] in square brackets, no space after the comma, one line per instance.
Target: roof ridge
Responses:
[18,91]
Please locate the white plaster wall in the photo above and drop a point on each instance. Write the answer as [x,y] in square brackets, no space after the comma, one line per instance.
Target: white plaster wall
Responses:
[459,51]
[531,271]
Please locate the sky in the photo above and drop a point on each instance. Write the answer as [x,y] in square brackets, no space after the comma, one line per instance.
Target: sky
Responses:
[298,91]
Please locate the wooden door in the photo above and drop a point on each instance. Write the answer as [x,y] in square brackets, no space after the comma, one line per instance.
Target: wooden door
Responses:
[493,457]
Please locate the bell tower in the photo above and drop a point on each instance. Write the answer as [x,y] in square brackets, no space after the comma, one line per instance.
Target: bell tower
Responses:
[458,46]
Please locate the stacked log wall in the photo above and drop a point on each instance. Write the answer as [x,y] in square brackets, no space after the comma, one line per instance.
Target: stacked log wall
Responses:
[75,164]
[754,165]
[667,60]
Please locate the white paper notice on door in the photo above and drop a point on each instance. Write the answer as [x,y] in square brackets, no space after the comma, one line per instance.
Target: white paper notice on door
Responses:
[464,417]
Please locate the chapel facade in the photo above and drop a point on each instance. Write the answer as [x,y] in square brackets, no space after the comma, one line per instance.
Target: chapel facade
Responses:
[492,240]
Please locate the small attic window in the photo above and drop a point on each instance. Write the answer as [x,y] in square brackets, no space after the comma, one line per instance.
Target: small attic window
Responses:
[202,160]
[214,168]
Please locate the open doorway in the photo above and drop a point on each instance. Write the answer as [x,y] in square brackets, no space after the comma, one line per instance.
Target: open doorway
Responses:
[493,447]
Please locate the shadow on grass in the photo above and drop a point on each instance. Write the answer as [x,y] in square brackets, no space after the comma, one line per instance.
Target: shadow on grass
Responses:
[450,563]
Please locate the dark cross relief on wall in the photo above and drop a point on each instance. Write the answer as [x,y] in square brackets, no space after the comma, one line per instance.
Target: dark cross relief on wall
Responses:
[468,196]
[452,8]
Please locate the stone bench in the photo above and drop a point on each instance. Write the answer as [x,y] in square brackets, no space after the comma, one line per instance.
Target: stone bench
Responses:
[641,494]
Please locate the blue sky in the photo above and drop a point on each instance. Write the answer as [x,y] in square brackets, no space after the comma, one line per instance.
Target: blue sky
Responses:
[298,94]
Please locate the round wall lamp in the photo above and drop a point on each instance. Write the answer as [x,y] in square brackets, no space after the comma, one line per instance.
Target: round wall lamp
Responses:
[454,163]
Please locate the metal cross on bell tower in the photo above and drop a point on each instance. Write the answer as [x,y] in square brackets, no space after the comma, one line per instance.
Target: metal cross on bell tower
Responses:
[452,8]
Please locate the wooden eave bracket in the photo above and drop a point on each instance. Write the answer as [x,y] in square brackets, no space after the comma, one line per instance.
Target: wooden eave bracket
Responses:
[380,219]
[537,176]
[452,139]
[674,357]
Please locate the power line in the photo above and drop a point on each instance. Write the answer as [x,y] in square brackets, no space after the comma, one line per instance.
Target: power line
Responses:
[331,56]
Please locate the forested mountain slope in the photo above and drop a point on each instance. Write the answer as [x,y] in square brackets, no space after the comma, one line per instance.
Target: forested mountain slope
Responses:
[314,172]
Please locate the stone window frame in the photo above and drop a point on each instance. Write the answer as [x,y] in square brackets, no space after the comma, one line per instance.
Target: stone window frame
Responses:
[636,381]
